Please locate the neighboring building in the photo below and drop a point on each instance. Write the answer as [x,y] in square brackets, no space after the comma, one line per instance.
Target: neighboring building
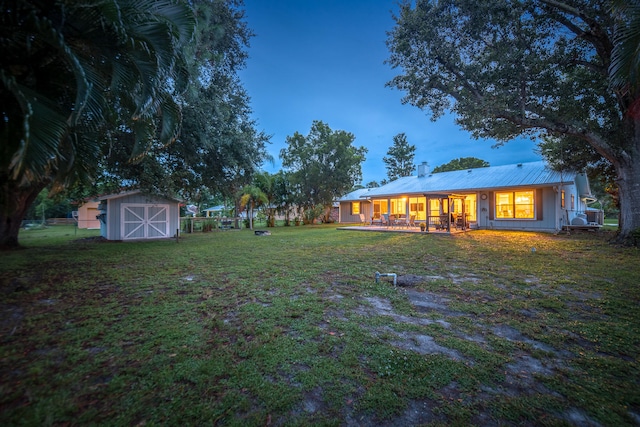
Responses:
[217,211]
[88,215]
[523,196]
[134,215]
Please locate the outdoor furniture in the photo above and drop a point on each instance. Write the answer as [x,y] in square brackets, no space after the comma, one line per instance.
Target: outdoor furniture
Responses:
[412,221]
[444,222]
[462,222]
[385,219]
[392,221]
[226,224]
[363,221]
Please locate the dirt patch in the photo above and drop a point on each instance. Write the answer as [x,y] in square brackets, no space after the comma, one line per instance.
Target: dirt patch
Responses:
[423,344]
[523,374]
[11,319]
[382,307]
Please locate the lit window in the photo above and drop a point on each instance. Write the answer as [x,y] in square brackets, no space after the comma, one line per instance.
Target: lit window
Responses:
[562,202]
[355,208]
[515,204]
[379,208]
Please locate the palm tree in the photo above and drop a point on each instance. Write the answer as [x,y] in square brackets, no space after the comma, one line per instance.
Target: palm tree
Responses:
[252,197]
[267,183]
[71,73]
[625,57]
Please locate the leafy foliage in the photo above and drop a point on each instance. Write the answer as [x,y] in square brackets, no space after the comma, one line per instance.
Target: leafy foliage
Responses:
[461,163]
[400,158]
[72,72]
[219,149]
[625,57]
[322,165]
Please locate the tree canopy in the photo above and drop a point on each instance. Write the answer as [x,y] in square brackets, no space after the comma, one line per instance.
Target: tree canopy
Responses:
[508,68]
[323,165]
[461,164]
[219,148]
[399,159]
[71,72]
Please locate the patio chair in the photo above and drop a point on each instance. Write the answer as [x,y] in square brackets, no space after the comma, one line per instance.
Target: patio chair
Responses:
[392,221]
[363,221]
[412,221]
[385,220]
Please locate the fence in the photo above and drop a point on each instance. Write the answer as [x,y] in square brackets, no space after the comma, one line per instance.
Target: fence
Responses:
[202,224]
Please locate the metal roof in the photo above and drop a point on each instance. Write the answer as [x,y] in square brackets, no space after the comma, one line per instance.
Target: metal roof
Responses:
[133,192]
[533,174]
[355,196]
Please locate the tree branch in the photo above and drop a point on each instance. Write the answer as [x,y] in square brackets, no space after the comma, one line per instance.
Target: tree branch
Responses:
[594,35]
[599,144]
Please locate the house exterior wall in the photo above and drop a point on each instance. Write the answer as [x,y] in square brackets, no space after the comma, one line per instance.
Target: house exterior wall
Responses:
[522,196]
[111,229]
[546,216]
[345,215]
[549,214]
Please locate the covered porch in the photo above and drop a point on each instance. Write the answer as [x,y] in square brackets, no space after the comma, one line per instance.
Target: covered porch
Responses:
[433,212]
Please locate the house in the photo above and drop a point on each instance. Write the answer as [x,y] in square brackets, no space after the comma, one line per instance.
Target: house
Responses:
[88,215]
[135,215]
[218,211]
[523,196]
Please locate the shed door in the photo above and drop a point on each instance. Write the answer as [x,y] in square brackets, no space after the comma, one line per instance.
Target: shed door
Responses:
[145,221]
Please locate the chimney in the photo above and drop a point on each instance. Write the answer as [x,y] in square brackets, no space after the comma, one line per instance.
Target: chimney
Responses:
[423,169]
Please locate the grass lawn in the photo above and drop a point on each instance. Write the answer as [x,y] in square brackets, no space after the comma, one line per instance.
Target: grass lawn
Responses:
[229,328]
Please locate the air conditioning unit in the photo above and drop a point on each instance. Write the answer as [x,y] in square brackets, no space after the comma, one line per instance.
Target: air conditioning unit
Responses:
[580,219]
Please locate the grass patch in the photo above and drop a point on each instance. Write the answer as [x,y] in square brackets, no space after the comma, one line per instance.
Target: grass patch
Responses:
[229,328]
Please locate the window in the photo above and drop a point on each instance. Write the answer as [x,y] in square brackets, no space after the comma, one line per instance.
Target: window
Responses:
[573,202]
[435,209]
[515,204]
[398,206]
[471,207]
[379,208]
[355,208]
[562,202]
[416,207]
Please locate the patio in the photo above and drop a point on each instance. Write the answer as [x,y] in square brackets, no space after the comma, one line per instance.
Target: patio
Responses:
[400,229]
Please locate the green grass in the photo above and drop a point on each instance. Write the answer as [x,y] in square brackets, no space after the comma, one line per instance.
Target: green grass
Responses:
[229,328]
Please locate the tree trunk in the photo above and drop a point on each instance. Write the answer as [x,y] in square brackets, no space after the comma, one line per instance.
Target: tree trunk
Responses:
[628,180]
[14,203]
[629,196]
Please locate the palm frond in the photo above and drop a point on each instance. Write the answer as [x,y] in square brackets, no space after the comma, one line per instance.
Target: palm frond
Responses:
[43,127]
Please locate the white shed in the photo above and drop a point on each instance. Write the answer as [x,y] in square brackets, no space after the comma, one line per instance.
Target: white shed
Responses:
[134,215]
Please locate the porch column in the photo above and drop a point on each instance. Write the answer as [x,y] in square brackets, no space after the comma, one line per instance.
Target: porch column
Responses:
[427,212]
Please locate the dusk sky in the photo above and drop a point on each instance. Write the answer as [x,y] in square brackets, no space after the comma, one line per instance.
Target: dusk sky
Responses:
[324,60]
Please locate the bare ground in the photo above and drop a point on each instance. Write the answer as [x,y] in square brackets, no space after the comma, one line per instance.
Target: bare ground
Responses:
[522,374]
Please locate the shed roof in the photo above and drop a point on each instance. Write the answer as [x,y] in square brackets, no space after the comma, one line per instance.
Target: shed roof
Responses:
[533,174]
[132,192]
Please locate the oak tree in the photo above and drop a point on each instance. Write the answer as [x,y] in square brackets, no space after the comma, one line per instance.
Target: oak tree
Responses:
[323,165]
[511,68]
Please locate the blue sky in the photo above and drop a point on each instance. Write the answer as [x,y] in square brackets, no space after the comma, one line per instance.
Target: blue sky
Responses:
[324,60]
